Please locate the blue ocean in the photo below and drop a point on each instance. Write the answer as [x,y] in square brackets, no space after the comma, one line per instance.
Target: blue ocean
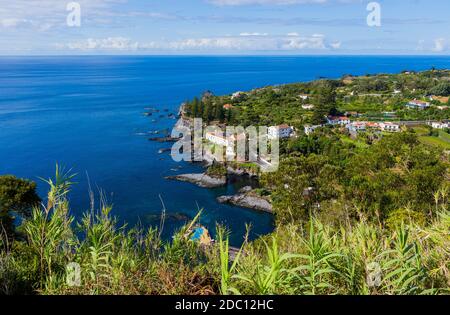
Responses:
[86,113]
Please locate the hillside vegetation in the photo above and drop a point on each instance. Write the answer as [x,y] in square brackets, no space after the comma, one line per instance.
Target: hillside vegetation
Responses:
[370,95]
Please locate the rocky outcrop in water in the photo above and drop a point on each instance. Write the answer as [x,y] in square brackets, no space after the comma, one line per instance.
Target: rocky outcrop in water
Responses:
[201,180]
[164,139]
[246,198]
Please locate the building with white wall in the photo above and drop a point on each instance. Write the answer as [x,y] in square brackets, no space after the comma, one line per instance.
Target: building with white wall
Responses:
[389,127]
[342,121]
[282,131]
[441,124]
[415,104]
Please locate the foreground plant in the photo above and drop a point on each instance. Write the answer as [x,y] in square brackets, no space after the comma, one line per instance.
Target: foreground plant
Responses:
[357,258]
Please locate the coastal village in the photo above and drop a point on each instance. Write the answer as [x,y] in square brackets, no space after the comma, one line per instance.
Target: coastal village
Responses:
[355,126]
[358,111]
[347,121]
[421,110]
[402,110]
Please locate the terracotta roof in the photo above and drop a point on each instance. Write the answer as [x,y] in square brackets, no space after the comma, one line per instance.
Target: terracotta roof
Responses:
[338,118]
[441,99]
[217,133]
[238,137]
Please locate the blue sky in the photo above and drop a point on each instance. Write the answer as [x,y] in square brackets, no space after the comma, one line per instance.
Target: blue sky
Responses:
[29,27]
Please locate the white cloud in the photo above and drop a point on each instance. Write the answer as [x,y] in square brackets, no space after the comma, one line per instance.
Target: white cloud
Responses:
[336,45]
[261,2]
[276,2]
[254,34]
[223,43]
[12,22]
[228,44]
[437,45]
[300,43]
[110,43]
[440,45]
[420,45]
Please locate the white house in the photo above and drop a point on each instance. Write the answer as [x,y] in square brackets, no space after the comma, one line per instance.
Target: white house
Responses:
[343,121]
[441,125]
[216,139]
[415,104]
[281,131]
[308,106]
[389,127]
[310,129]
[237,95]
[357,126]
[228,142]
[303,97]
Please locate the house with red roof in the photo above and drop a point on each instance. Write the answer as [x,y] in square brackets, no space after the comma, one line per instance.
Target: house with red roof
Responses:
[342,120]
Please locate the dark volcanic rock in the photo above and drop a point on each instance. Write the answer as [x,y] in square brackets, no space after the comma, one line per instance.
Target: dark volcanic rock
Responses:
[247,200]
[201,180]
[164,139]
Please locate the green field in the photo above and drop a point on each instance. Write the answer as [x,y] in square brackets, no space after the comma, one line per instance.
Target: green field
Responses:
[444,136]
[421,130]
[358,143]
[435,141]
[443,141]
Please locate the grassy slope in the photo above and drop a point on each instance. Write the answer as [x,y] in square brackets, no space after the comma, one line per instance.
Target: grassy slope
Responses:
[443,141]
[439,142]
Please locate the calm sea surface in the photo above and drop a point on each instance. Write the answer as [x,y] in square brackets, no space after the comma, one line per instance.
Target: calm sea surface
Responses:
[87,113]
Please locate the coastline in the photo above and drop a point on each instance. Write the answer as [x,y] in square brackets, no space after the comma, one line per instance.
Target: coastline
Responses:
[244,198]
[247,198]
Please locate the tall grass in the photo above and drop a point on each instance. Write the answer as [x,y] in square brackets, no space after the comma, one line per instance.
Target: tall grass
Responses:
[408,260]
[358,258]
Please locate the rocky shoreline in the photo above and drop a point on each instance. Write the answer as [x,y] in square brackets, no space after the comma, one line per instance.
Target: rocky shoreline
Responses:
[202,180]
[246,198]
[164,139]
